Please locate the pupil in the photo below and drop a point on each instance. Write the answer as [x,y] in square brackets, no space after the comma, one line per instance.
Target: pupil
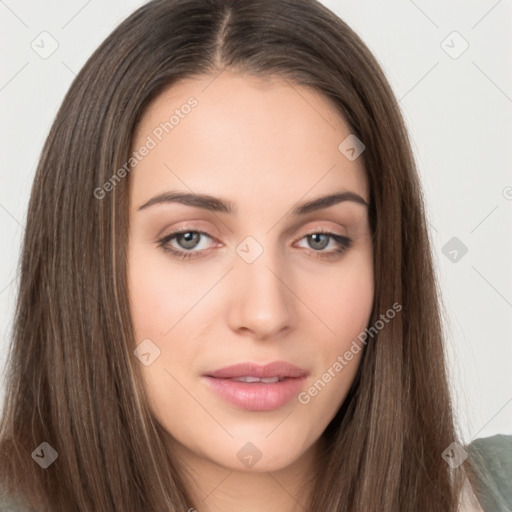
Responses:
[315,236]
[190,239]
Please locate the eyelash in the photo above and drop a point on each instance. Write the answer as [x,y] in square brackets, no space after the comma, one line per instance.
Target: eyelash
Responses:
[343,242]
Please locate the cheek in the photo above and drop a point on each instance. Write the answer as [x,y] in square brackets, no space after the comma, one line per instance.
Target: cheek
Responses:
[160,298]
[162,301]
[342,298]
[160,294]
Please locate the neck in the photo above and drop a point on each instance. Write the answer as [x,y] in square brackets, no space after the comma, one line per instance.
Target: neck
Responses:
[214,488]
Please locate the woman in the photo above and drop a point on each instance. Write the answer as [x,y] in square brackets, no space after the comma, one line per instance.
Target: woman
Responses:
[227,298]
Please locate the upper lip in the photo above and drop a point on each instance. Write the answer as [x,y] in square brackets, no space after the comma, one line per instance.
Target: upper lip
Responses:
[279,369]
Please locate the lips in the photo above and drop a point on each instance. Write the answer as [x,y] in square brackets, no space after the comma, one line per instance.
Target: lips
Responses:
[280,369]
[257,387]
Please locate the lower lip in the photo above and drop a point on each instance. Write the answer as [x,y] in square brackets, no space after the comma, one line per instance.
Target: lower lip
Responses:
[256,396]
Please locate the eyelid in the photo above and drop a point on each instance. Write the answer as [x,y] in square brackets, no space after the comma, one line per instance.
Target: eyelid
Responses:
[198,226]
[323,230]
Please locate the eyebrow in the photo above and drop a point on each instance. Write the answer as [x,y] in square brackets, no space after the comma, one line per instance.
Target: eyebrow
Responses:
[216,204]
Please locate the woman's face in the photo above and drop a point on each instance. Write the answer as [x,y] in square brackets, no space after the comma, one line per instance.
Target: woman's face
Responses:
[251,279]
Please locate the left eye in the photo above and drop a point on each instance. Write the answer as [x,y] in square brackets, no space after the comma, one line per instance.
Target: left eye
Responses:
[320,240]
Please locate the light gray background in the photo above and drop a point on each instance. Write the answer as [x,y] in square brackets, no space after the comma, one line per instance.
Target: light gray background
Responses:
[459,112]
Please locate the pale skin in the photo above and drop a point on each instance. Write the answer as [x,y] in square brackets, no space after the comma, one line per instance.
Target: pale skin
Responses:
[266,146]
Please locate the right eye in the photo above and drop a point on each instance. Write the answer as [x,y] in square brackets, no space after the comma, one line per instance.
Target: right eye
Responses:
[187,240]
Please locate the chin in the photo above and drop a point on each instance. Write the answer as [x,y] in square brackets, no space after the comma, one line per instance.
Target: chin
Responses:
[258,455]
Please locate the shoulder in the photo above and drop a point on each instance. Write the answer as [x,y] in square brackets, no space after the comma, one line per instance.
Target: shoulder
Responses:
[490,472]
[8,504]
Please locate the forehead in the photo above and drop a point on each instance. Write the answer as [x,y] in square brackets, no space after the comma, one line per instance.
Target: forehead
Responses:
[246,134]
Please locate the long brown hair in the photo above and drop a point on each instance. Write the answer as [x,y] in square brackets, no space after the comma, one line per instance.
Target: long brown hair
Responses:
[72,378]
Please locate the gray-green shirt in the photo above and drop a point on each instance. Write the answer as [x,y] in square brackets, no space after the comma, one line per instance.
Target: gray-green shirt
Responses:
[491,458]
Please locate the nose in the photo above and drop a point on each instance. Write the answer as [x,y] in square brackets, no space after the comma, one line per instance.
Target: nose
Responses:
[262,302]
